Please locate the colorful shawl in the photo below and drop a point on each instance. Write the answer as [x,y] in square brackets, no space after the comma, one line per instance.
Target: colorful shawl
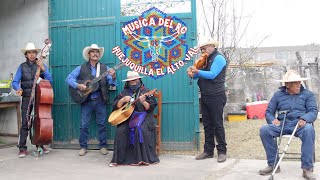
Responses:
[136,121]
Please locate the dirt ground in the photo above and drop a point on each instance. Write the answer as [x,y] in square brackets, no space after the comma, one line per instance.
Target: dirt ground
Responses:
[244,142]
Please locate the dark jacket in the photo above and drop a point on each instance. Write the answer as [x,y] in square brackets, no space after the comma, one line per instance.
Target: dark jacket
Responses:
[212,86]
[302,105]
[85,74]
[28,72]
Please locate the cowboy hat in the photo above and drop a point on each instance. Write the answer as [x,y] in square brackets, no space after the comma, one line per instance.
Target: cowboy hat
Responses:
[212,42]
[132,75]
[30,47]
[292,76]
[87,49]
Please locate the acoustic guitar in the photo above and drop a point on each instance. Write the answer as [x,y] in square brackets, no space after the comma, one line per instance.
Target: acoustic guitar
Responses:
[124,112]
[80,96]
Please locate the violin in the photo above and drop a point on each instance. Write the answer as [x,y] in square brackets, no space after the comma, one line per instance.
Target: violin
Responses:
[201,62]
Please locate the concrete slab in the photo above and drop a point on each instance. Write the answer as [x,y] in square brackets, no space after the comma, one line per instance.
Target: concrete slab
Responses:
[66,164]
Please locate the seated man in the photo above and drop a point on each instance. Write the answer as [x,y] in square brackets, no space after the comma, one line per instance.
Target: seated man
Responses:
[299,105]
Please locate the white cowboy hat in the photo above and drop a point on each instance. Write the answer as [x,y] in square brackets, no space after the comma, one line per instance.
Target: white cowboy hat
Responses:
[212,42]
[87,49]
[30,47]
[292,76]
[132,75]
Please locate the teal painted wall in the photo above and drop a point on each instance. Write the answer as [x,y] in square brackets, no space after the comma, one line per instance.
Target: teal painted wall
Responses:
[75,24]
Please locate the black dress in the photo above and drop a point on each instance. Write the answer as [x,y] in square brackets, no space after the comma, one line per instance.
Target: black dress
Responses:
[136,152]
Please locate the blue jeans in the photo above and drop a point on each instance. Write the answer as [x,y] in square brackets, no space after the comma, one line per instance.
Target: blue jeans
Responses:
[306,134]
[87,108]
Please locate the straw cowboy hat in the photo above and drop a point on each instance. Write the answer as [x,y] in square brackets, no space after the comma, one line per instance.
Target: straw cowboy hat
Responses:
[87,49]
[30,47]
[292,76]
[212,42]
[132,75]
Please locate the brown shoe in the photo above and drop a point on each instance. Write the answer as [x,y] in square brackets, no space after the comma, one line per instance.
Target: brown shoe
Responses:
[204,155]
[268,170]
[222,158]
[308,174]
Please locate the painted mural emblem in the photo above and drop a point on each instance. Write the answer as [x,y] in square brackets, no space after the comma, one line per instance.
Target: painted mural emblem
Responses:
[155,44]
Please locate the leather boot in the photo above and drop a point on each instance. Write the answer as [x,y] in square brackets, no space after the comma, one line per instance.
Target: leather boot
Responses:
[308,174]
[268,170]
[222,158]
[204,155]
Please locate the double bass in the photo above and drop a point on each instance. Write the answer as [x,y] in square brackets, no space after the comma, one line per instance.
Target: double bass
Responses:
[40,122]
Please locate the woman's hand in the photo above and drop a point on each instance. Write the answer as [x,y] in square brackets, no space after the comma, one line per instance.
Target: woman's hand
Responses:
[125,99]
[142,98]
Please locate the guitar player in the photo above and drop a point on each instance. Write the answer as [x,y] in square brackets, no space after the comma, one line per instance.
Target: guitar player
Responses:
[135,140]
[96,101]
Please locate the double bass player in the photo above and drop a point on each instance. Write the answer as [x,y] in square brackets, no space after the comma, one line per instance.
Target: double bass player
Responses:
[22,84]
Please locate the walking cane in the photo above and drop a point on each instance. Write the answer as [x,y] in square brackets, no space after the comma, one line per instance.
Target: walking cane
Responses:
[281,132]
[284,151]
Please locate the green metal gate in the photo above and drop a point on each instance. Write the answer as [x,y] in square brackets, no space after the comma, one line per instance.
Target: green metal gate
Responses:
[74,24]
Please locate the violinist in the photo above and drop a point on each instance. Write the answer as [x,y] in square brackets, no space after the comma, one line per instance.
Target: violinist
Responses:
[211,72]
[22,84]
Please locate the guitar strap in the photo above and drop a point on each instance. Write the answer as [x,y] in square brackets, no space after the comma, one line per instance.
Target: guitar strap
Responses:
[98,70]
[134,95]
